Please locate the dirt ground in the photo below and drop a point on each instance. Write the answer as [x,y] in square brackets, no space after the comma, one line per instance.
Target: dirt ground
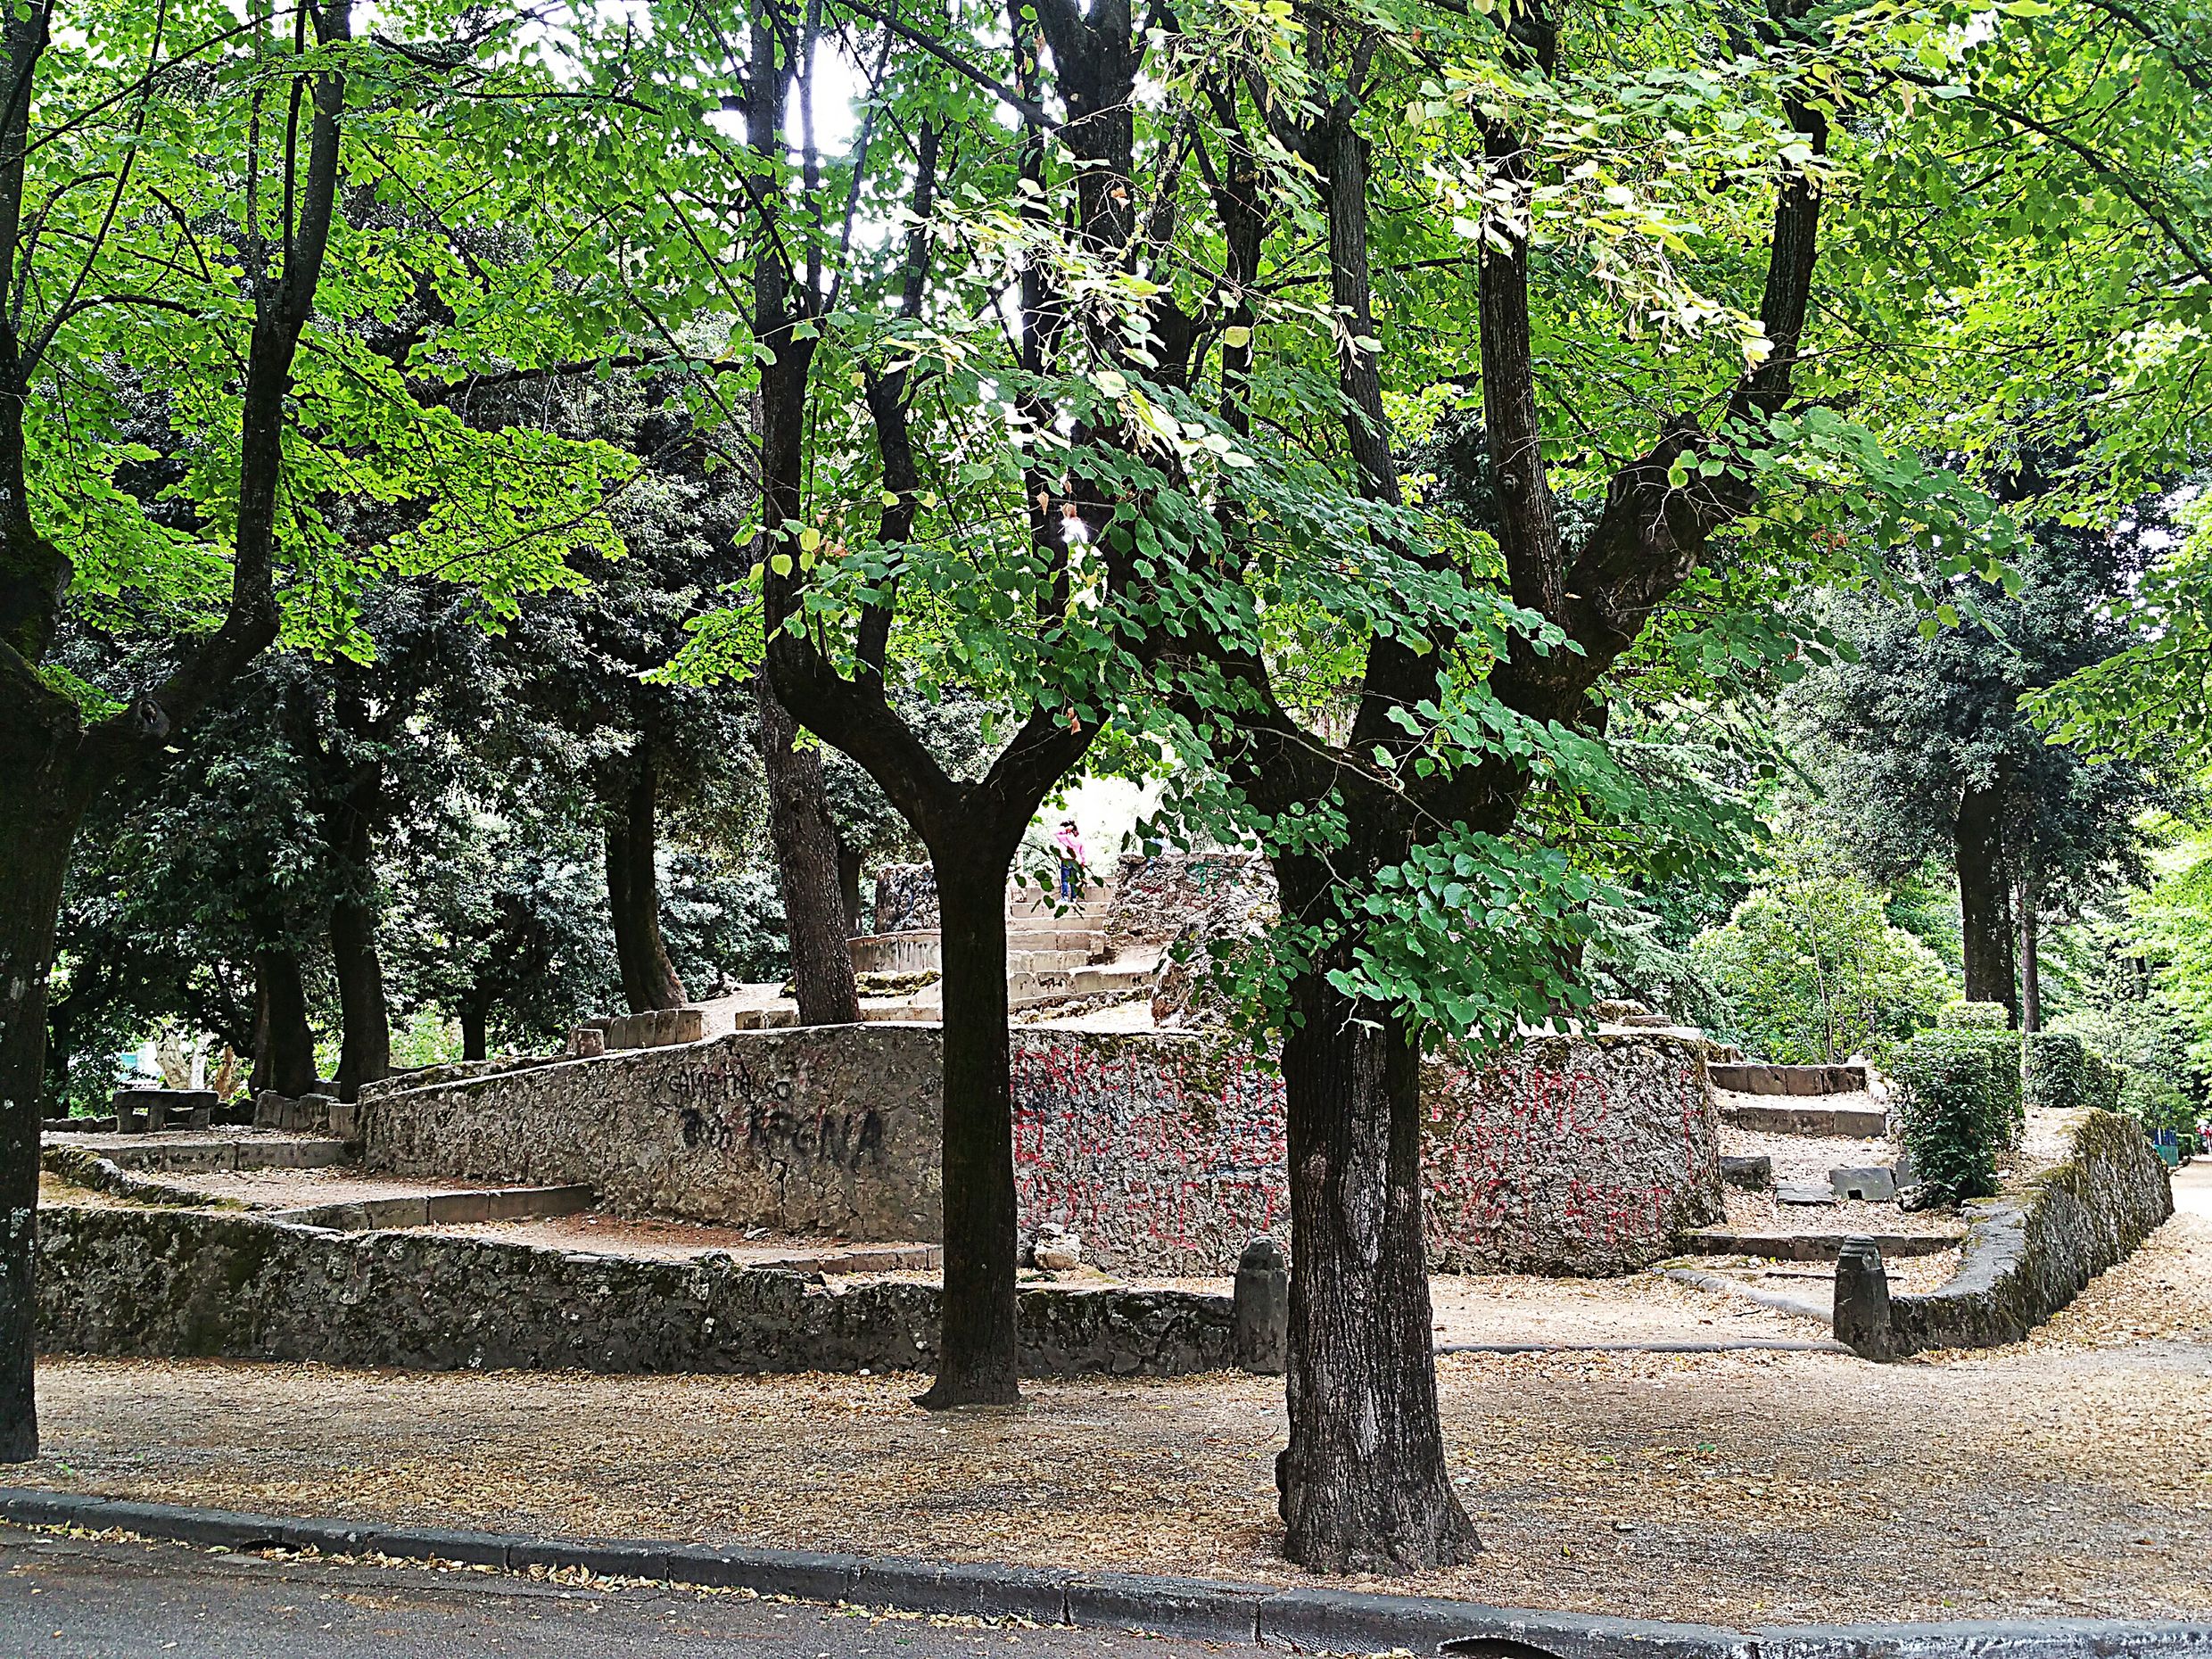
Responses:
[2072,1474]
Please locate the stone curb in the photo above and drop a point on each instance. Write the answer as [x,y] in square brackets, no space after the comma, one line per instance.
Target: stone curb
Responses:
[1306,1620]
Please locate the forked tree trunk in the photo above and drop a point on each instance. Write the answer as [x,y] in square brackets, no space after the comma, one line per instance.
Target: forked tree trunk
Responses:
[38,818]
[1364,1485]
[979,1353]
[1986,929]
[365,1052]
[806,863]
[291,1060]
[633,892]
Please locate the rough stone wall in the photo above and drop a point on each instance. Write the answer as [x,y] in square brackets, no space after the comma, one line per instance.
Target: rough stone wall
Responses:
[2029,1255]
[1589,1154]
[906,898]
[1153,897]
[822,1130]
[171,1283]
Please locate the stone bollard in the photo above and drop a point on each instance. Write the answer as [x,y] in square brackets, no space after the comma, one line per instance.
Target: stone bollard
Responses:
[587,1041]
[1262,1338]
[1862,1300]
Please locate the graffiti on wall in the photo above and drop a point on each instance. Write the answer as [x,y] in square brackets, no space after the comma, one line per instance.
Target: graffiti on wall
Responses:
[726,1109]
[1167,1163]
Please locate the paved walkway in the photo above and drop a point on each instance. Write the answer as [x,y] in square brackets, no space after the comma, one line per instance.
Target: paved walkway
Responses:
[2070,1474]
[81,1599]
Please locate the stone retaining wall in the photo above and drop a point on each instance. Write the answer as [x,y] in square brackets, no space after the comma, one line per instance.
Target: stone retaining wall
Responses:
[1759,1077]
[1591,1154]
[167,1283]
[2026,1254]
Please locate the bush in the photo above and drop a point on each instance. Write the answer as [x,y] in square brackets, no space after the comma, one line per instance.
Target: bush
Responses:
[2057,1070]
[2156,1104]
[1959,1105]
[1975,1017]
[2103,1083]
[1813,972]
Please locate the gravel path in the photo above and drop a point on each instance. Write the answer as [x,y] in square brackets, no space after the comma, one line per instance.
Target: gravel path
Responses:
[2072,1474]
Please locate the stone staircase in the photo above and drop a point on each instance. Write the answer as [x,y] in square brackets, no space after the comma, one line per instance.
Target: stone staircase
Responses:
[1053,949]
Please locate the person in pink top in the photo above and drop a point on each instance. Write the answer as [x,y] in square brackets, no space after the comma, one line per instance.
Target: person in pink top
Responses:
[1069,843]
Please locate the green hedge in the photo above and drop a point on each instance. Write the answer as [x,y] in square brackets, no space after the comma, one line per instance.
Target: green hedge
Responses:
[1959,1105]
[2058,1070]
[1975,1017]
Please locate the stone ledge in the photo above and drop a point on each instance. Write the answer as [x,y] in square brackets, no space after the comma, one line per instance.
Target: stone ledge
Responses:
[2027,1254]
[168,1283]
[1306,1620]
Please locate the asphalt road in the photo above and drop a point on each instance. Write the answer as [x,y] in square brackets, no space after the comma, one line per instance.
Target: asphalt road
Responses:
[68,1598]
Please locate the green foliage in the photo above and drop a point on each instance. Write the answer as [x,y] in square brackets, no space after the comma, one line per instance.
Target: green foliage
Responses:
[1957,1106]
[2103,1083]
[1964,1016]
[2156,1104]
[1813,972]
[2057,1070]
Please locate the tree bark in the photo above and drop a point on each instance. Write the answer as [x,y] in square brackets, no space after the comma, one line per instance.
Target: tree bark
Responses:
[290,1068]
[807,867]
[848,885]
[365,1050]
[39,817]
[633,892]
[472,1022]
[2031,967]
[978,1358]
[1985,928]
[1363,1484]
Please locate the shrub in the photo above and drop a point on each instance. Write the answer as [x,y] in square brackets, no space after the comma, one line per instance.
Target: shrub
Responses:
[2156,1104]
[2103,1081]
[2058,1070]
[1959,1104]
[1975,1017]
[1814,972]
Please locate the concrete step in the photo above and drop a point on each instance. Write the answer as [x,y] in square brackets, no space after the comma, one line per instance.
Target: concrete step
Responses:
[919,952]
[1864,1123]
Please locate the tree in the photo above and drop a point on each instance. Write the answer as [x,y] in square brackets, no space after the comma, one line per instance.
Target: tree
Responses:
[1929,751]
[1814,972]
[138,225]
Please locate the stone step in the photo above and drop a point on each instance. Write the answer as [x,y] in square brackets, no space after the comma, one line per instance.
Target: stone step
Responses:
[1025,936]
[1863,1123]
[1814,1246]
[1758,1077]
[1045,961]
[1091,981]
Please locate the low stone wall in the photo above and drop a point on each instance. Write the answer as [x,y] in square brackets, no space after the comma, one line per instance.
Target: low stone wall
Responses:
[180,1283]
[1590,1154]
[2028,1255]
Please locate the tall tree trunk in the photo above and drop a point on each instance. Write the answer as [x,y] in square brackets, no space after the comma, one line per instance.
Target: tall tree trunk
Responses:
[979,1354]
[848,884]
[473,1021]
[38,818]
[1363,1483]
[365,1052]
[257,1074]
[1985,928]
[291,1043]
[806,862]
[2031,966]
[633,892]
